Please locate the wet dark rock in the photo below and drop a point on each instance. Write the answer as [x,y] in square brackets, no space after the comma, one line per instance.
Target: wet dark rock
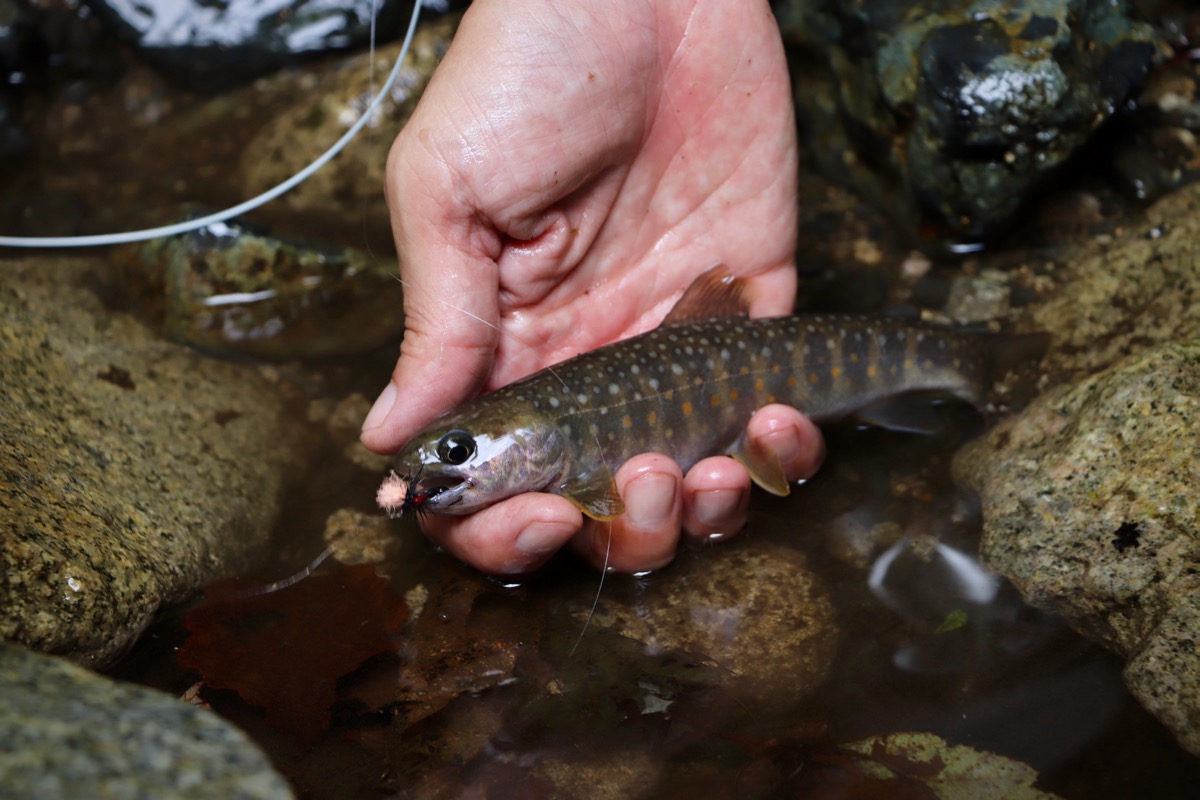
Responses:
[209,46]
[230,288]
[70,733]
[959,111]
[1090,508]
[759,612]
[132,470]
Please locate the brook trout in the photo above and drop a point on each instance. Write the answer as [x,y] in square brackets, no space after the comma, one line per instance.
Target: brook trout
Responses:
[685,389]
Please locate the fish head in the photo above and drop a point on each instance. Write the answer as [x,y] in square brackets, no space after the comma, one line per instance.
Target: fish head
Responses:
[466,462]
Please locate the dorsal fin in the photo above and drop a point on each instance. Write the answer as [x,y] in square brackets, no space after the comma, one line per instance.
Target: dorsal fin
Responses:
[716,293]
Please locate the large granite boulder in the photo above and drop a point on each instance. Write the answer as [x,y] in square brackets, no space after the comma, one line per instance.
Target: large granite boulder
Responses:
[132,470]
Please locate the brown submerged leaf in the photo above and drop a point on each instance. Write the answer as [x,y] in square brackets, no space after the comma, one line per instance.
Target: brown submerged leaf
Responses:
[286,651]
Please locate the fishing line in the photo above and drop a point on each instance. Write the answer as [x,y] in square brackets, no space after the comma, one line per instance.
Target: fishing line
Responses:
[290,580]
[252,203]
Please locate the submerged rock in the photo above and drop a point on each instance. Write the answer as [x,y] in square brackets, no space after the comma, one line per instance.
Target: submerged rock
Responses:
[959,110]
[760,613]
[228,288]
[72,733]
[132,470]
[1090,508]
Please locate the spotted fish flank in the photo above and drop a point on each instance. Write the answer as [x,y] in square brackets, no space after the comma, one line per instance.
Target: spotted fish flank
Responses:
[686,389]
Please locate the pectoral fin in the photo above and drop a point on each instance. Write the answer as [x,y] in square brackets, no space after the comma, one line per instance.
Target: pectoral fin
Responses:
[763,466]
[596,494]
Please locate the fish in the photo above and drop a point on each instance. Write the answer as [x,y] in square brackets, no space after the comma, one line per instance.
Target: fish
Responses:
[685,389]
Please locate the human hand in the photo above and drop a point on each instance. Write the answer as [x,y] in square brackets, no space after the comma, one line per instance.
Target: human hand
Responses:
[570,169]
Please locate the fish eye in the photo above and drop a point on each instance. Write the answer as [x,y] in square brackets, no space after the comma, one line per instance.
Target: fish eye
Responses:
[456,447]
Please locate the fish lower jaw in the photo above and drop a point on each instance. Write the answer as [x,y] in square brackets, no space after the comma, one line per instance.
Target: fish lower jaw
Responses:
[446,495]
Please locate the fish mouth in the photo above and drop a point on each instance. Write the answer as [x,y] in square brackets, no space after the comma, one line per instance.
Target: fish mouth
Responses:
[442,492]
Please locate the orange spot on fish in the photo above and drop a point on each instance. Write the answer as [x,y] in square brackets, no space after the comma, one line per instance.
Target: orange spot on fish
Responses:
[791,381]
[854,358]
[687,408]
[733,395]
[872,371]
[652,417]
[744,371]
[835,372]
[715,400]
[758,385]
[776,369]
[627,422]
[814,379]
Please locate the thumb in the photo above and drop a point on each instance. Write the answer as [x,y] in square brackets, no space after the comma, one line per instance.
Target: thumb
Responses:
[451,306]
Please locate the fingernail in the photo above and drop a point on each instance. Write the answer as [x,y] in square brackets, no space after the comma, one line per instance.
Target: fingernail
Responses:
[785,443]
[543,538]
[712,507]
[650,500]
[379,411]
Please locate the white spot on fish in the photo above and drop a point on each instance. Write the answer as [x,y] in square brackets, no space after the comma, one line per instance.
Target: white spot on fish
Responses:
[554,402]
[677,368]
[613,389]
[582,398]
